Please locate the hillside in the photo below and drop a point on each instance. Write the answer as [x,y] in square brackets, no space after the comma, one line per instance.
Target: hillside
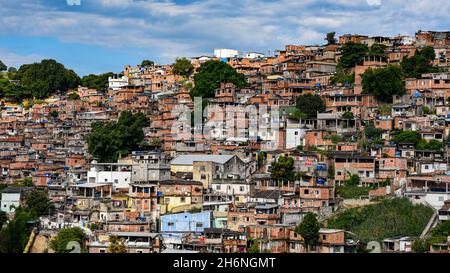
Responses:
[389,218]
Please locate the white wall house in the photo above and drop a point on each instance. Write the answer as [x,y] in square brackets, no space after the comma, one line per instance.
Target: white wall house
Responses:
[294,134]
[225,53]
[10,199]
[117,174]
[115,83]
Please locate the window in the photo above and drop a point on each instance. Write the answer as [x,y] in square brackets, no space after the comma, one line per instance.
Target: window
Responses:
[199,225]
[116,181]
[241,188]
[324,237]
[102,251]
[183,199]
[141,228]
[306,191]
[203,176]
[217,187]
[170,224]
[202,168]
[166,200]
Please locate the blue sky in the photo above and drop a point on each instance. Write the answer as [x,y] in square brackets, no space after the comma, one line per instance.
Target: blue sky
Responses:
[104,35]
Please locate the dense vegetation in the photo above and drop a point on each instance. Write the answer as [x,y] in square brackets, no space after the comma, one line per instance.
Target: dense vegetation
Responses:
[389,218]
[421,62]
[211,74]
[310,105]
[283,169]
[147,63]
[108,140]
[3,67]
[182,67]
[14,236]
[383,83]
[309,230]
[66,235]
[419,142]
[38,80]
[98,82]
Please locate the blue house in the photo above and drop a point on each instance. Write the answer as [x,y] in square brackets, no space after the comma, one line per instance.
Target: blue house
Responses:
[186,222]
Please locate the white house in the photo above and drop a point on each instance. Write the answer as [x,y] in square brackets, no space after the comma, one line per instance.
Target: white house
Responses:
[115,82]
[295,134]
[11,198]
[225,53]
[117,174]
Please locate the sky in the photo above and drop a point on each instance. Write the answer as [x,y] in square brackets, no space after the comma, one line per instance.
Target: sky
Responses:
[97,36]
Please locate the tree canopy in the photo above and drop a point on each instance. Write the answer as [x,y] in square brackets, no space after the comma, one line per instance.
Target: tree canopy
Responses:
[39,80]
[421,62]
[352,54]
[309,230]
[389,218]
[331,40]
[383,83]
[310,105]
[211,74]
[377,50]
[147,63]
[14,236]
[98,82]
[38,201]
[407,137]
[3,67]
[283,169]
[66,235]
[182,67]
[108,140]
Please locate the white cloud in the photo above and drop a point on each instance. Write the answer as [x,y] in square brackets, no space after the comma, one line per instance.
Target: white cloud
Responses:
[168,29]
[16,60]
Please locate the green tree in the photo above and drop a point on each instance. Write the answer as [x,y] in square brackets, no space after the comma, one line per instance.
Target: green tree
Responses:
[421,62]
[39,202]
[420,246]
[3,67]
[407,137]
[309,230]
[66,235]
[331,40]
[388,218]
[383,83]
[372,133]
[73,96]
[108,140]
[116,245]
[12,69]
[352,54]
[310,105]
[147,63]
[377,50]
[182,67]
[295,113]
[344,76]
[45,78]
[97,82]
[14,237]
[211,74]
[283,169]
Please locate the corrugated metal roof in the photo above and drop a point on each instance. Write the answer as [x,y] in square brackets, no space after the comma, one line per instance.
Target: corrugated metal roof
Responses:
[190,159]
